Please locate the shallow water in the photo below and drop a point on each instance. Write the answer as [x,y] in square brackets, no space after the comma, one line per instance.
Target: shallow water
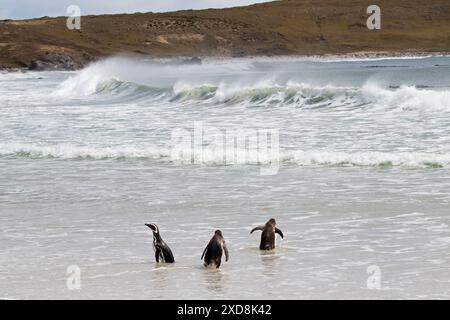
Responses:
[363,179]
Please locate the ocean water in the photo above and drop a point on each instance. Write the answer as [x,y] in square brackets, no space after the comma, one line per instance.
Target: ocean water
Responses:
[361,186]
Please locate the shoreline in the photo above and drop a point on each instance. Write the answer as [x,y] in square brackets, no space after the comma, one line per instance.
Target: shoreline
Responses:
[355,56]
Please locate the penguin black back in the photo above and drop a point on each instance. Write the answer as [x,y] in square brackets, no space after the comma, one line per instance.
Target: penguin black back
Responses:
[215,249]
[268,234]
[162,250]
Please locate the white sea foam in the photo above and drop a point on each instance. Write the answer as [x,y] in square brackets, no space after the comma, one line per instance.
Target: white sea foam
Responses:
[192,83]
[368,158]
[81,172]
[408,97]
[141,72]
[83,83]
[217,155]
[68,151]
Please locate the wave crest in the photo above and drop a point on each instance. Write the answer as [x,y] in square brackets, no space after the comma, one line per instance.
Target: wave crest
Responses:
[211,156]
[117,79]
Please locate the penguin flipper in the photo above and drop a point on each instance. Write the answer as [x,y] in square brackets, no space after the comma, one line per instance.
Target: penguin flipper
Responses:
[279,232]
[204,252]
[260,228]
[226,252]
[157,254]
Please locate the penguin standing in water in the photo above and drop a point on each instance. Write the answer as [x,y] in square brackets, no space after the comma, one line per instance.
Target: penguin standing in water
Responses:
[162,250]
[268,234]
[215,249]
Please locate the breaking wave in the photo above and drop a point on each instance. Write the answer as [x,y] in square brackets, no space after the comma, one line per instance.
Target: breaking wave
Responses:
[190,85]
[267,95]
[408,97]
[214,156]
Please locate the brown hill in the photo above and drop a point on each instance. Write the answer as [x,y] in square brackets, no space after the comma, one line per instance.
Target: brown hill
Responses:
[289,27]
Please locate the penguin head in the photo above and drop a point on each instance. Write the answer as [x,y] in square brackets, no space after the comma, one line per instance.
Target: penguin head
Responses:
[272,221]
[218,233]
[154,227]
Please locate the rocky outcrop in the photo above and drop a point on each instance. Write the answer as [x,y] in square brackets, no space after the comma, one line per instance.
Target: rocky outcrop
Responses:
[55,61]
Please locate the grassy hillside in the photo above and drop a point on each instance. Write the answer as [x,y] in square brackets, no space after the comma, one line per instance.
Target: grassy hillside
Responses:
[289,27]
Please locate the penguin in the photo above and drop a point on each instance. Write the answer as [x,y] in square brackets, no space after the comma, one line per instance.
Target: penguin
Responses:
[268,234]
[214,250]
[162,250]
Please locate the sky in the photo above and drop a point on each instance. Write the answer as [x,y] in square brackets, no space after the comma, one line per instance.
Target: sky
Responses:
[24,9]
